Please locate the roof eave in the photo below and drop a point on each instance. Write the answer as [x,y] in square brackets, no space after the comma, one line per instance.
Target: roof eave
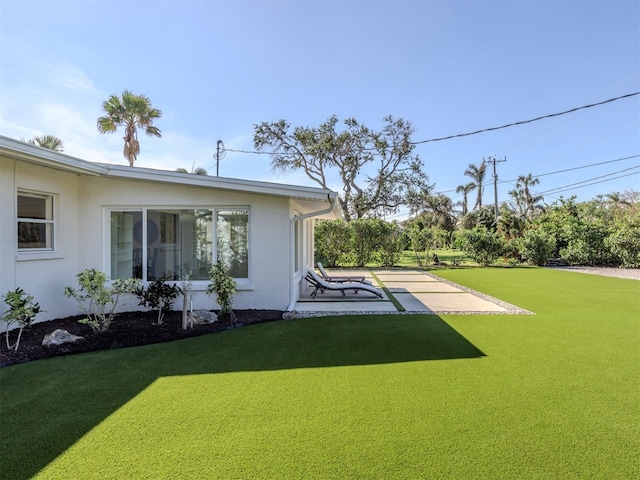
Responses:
[224,183]
[42,156]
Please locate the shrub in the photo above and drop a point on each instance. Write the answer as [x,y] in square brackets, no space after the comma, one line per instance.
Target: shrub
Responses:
[223,285]
[22,310]
[389,245]
[482,245]
[537,247]
[364,239]
[586,245]
[96,299]
[159,296]
[332,238]
[624,244]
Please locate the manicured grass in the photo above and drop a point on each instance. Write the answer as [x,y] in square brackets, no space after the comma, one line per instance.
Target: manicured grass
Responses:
[551,395]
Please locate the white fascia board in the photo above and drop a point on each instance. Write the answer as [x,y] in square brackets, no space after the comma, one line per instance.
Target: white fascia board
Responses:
[42,156]
[224,183]
[18,150]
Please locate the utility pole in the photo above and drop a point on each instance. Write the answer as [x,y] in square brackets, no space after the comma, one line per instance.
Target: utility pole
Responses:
[492,160]
[218,157]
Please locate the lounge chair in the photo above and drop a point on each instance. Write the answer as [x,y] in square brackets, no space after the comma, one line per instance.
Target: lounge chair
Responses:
[341,279]
[319,283]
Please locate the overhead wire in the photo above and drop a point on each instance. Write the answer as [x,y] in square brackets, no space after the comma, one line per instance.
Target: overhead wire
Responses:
[489,183]
[522,122]
[476,132]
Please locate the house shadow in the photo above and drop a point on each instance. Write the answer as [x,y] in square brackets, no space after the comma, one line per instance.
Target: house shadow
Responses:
[348,340]
[316,342]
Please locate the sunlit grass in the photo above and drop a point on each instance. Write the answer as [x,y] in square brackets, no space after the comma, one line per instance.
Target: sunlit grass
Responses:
[550,395]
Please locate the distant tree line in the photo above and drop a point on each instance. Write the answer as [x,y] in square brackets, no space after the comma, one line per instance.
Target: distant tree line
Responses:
[602,231]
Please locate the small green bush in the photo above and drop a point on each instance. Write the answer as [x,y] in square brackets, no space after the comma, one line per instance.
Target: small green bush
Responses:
[159,296]
[223,285]
[22,310]
[98,300]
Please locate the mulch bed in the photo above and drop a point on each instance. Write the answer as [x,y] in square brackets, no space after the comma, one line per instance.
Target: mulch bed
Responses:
[128,329]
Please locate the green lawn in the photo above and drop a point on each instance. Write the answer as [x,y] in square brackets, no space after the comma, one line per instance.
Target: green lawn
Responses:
[552,396]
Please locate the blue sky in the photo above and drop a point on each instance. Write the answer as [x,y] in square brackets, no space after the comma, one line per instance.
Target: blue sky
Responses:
[216,68]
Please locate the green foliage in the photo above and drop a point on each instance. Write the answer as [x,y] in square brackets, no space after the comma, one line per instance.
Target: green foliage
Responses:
[586,244]
[596,232]
[364,239]
[22,310]
[482,245]
[97,299]
[389,244]
[358,242]
[332,241]
[159,296]
[132,112]
[483,217]
[537,247]
[396,177]
[510,224]
[224,286]
[420,240]
[50,142]
[624,244]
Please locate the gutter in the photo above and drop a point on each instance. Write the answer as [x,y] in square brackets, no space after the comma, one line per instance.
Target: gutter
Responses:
[331,196]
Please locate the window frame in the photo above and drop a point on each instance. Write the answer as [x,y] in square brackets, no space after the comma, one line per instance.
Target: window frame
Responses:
[51,208]
[241,283]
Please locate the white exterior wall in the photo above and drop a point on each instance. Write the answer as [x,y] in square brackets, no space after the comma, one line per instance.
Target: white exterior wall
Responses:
[82,205]
[44,274]
[268,233]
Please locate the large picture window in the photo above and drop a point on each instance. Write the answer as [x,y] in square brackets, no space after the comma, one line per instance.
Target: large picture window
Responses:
[35,221]
[172,243]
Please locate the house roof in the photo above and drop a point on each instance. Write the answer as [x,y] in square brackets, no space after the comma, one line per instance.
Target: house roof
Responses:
[41,156]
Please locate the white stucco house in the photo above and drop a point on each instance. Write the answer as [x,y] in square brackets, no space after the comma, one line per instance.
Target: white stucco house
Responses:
[60,215]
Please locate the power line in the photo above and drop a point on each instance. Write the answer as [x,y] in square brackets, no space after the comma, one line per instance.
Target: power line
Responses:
[522,122]
[554,193]
[575,185]
[559,171]
[490,129]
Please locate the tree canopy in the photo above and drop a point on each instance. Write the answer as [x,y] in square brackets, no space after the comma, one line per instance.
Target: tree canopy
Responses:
[131,111]
[377,169]
[50,142]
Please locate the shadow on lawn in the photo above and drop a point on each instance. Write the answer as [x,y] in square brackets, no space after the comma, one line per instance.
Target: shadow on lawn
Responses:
[109,379]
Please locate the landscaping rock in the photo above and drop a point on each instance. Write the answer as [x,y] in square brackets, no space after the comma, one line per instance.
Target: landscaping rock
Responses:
[203,317]
[59,337]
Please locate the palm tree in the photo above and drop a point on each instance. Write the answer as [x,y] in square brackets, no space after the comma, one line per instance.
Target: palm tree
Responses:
[526,202]
[615,199]
[131,111]
[50,142]
[477,174]
[197,171]
[465,189]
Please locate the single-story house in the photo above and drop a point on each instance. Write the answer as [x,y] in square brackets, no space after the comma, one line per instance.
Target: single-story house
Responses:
[61,215]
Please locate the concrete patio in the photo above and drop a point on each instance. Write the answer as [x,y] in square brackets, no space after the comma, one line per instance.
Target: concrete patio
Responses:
[416,291]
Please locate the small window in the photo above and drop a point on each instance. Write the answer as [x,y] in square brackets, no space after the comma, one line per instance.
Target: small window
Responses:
[35,221]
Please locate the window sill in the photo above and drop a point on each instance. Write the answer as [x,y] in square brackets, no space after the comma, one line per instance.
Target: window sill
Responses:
[31,256]
[201,285]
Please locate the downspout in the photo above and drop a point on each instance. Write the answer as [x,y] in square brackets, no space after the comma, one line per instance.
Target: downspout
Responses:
[331,196]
